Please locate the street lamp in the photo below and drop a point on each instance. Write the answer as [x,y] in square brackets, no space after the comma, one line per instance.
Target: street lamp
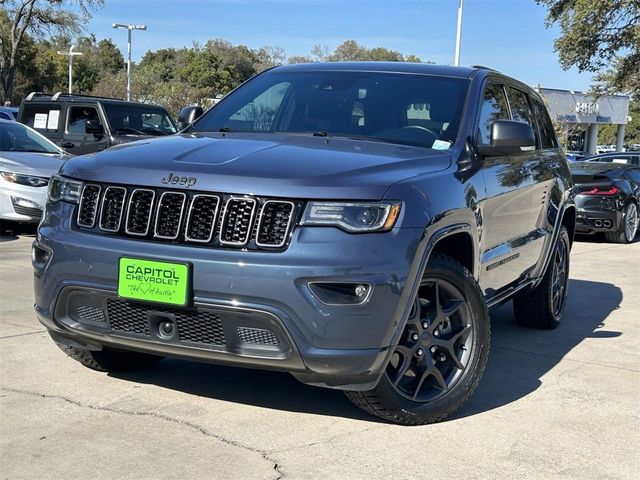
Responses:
[70,54]
[129,28]
[458,34]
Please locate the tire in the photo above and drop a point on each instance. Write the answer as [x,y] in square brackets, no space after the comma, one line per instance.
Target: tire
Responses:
[455,329]
[107,360]
[542,307]
[628,227]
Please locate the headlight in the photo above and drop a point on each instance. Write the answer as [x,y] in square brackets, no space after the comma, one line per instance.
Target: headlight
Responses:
[64,189]
[353,217]
[28,180]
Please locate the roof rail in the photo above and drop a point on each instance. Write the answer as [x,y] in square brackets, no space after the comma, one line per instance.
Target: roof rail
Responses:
[57,95]
[36,94]
[484,68]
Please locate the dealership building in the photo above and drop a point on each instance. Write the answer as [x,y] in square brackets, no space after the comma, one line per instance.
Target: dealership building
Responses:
[582,116]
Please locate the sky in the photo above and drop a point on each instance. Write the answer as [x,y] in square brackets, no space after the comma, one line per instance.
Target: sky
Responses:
[507,35]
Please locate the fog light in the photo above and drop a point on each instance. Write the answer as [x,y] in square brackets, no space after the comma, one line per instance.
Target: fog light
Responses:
[341,293]
[166,329]
[40,256]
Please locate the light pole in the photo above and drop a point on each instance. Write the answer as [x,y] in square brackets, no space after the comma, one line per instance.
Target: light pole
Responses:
[70,54]
[129,28]
[456,61]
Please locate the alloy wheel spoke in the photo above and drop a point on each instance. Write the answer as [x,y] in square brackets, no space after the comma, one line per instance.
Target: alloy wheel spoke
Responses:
[405,362]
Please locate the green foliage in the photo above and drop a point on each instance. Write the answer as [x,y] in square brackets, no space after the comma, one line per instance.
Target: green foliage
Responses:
[352,51]
[607,133]
[600,35]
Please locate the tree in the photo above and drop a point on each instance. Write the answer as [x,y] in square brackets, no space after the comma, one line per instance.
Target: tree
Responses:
[352,51]
[598,35]
[20,18]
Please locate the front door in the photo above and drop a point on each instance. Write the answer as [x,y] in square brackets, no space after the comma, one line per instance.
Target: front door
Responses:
[75,139]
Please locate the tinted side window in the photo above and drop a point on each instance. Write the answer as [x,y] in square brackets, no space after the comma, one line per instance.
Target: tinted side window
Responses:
[44,117]
[494,107]
[520,108]
[547,132]
[77,119]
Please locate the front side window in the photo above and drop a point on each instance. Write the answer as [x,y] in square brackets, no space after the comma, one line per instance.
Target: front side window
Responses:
[494,107]
[78,117]
[520,108]
[418,110]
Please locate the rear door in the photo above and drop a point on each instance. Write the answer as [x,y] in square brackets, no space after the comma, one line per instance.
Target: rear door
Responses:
[76,140]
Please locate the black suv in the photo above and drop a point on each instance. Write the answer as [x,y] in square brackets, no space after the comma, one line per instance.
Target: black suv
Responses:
[349,223]
[85,124]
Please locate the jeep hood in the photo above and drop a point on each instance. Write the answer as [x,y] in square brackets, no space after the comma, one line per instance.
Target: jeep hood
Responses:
[295,166]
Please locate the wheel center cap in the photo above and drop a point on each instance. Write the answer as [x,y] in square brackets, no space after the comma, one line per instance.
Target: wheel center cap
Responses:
[425,339]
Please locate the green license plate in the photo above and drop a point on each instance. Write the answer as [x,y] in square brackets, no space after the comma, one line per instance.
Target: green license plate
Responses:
[152,281]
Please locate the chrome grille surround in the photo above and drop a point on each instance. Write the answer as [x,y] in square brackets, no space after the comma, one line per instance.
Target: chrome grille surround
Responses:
[235,230]
[114,206]
[191,219]
[260,233]
[91,201]
[164,223]
[132,229]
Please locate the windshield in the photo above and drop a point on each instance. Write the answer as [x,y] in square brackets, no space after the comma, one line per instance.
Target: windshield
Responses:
[138,119]
[419,110]
[15,137]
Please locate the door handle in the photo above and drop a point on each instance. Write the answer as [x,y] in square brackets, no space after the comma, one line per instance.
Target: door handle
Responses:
[67,145]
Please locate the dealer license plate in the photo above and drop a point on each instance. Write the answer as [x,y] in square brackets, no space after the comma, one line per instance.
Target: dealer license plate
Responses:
[153,281]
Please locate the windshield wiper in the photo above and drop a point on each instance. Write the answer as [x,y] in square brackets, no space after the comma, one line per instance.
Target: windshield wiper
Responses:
[320,133]
[154,131]
[128,130]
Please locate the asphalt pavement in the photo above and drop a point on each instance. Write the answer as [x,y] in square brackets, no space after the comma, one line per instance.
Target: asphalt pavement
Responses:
[552,404]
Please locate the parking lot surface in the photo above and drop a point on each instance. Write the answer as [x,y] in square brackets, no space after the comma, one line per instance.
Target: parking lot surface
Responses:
[552,404]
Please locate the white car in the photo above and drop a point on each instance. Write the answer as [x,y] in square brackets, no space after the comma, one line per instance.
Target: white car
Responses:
[27,160]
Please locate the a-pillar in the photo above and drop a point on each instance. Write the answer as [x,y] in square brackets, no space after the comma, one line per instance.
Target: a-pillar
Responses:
[620,138]
[592,138]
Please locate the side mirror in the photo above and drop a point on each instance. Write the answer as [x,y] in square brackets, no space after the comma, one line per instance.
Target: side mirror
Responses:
[509,138]
[188,115]
[94,126]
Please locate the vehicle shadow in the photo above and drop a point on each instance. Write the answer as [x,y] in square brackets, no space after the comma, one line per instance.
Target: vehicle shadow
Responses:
[12,231]
[511,373]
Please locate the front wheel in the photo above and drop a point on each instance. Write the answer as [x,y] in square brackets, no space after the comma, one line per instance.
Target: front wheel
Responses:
[442,353]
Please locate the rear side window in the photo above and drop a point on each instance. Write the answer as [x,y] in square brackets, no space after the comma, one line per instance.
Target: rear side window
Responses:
[42,117]
[77,119]
[547,132]
[494,107]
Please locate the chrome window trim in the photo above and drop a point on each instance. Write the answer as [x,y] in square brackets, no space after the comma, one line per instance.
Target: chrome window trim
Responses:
[155,226]
[287,231]
[124,198]
[251,220]
[213,223]
[151,210]
[95,209]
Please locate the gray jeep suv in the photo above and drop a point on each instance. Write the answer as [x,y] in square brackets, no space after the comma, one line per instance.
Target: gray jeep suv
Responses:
[349,223]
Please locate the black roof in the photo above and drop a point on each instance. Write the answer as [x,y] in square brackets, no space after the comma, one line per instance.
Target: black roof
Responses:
[393,67]
[74,97]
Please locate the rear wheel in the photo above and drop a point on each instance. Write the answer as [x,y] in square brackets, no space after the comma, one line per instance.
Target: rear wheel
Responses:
[543,306]
[107,360]
[442,353]
[628,227]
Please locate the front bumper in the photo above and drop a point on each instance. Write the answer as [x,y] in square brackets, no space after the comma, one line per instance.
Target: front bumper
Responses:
[336,346]
[21,203]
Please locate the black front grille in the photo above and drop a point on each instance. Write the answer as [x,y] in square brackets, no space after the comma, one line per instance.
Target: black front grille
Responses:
[112,206]
[89,204]
[237,221]
[202,218]
[257,336]
[139,211]
[196,218]
[200,327]
[169,216]
[274,224]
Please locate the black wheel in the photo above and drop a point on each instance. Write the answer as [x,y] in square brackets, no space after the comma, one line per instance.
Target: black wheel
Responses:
[442,353]
[628,227]
[107,360]
[543,306]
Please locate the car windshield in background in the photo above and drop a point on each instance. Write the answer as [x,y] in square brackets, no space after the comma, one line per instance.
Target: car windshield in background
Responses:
[139,120]
[417,110]
[15,137]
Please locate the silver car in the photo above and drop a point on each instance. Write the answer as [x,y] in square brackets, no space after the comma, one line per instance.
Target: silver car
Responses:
[27,160]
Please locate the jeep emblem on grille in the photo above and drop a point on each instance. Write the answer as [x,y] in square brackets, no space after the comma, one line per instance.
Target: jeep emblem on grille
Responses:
[176,180]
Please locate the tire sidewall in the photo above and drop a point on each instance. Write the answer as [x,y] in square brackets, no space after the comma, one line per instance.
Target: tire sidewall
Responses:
[563,237]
